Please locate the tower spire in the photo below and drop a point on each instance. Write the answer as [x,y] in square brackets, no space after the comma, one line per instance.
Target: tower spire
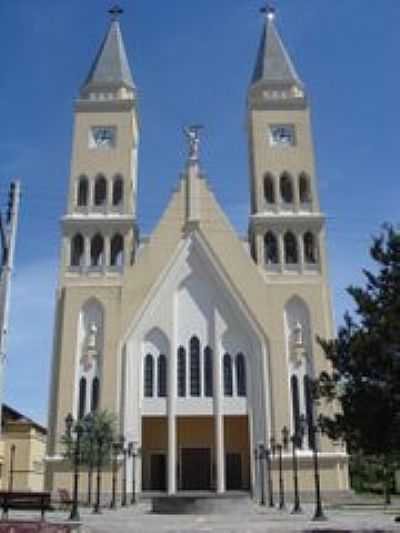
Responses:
[110,70]
[273,65]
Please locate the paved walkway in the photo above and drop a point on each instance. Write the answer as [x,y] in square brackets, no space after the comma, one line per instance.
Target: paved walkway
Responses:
[138,519]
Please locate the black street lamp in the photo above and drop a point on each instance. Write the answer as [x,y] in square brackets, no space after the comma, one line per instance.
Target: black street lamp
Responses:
[89,423]
[319,513]
[269,477]
[277,448]
[115,452]
[296,440]
[124,455]
[76,428]
[259,454]
[96,508]
[133,452]
[11,476]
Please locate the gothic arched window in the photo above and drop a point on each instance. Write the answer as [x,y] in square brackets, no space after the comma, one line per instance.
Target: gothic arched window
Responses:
[162,376]
[117,251]
[286,189]
[269,189]
[194,366]
[208,372]
[83,192]
[241,375]
[294,386]
[310,250]
[304,189]
[82,398]
[100,191]
[77,250]
[181,372]
[309,410]
[97,251]
[148,376]
[291,253]
[118,191]
[228,377]
[271,255]
[95,394]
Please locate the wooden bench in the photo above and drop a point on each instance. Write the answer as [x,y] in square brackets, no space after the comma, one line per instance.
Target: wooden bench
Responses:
[25,501]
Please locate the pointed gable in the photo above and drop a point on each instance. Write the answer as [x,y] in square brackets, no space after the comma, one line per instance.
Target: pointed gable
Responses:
[110,69]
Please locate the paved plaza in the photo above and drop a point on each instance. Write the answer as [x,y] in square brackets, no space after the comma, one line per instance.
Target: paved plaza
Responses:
[139,519]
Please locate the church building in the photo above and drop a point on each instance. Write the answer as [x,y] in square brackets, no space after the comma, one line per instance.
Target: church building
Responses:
[201,343]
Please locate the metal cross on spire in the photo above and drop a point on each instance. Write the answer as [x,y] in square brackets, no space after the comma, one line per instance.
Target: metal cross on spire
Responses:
[269,11]
[115,12]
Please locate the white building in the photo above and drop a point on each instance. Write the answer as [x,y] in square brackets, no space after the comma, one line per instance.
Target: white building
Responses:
[200,343]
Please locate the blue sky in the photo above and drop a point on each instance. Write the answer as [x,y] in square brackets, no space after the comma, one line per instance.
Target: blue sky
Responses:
[192,62]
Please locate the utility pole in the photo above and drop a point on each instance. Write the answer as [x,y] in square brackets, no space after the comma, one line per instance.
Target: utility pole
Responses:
[8,233]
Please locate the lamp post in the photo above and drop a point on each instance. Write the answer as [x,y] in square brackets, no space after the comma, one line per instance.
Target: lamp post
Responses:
[89,426]
[115,451]
[96,508]
[78,430]
[319,513]
[277,448]
[133,452]
[269,479]
[257,473]
[259,456]
[12,460]
[124,455]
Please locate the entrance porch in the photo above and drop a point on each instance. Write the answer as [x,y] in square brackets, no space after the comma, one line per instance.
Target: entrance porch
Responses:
[196,454]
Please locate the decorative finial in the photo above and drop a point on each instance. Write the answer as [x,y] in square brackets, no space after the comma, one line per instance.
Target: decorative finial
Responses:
[298,334]
[193,135]
[92,337]
[115,12]
[269,11]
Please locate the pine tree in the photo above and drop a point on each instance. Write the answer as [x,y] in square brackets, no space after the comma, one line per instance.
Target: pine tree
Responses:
[365,362]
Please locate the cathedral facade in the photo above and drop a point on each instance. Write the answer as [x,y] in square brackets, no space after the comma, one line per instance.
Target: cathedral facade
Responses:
[203,345]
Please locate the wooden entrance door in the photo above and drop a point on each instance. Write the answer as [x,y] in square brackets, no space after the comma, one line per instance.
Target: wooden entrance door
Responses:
[158,472]
[196,469]
[233,470]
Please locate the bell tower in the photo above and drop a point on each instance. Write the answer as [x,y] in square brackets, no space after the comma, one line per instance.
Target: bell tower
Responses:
[285,222]
[99,229]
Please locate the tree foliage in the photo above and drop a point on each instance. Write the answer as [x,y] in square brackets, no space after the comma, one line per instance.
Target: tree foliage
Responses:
[95,428]
[364,376]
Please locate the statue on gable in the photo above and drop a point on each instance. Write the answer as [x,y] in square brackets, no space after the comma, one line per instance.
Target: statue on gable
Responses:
[298,352]
[90,353]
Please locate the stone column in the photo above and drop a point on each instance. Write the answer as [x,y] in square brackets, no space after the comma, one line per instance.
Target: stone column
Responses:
[171,406]
[220,452]
[171,468]
[218,414]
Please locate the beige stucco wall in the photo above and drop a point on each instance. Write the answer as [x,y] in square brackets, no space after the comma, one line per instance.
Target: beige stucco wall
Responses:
[30,450]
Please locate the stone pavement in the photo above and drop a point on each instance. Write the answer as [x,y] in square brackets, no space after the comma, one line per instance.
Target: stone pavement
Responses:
[138,519]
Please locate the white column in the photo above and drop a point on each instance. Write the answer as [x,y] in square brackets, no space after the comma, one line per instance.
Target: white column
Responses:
[220,452]
[300,250]
[171,453]
[107,252]
[295,182]
[218,413]
[87,252]
[172,393]
[281,250]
